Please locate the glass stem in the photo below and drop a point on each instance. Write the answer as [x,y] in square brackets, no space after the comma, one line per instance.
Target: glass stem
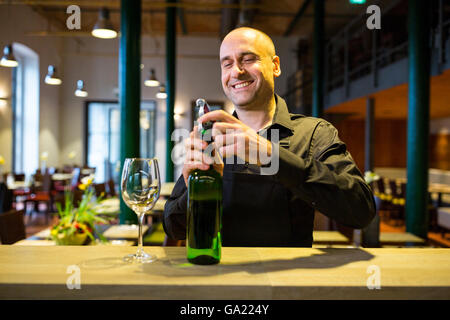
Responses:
[140,251]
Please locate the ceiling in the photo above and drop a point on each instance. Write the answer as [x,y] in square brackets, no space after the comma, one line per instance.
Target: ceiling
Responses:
[392,103]
[201,17]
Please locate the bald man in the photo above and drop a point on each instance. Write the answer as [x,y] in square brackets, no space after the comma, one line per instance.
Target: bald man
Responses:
[314,172]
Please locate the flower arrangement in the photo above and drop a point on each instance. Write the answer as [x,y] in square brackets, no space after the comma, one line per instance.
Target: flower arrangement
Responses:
[76,225]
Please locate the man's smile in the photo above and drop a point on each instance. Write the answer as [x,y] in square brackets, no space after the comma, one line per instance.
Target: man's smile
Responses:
[242,84]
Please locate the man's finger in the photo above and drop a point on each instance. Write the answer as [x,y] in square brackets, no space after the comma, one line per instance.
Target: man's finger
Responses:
[218,115]
[193,143]
[223,127]
[228,150]
[195,155]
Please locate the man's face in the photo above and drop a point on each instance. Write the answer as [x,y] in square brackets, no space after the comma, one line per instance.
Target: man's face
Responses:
[248,69]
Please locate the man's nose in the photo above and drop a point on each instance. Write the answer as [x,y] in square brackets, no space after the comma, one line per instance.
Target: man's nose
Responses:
[237,70]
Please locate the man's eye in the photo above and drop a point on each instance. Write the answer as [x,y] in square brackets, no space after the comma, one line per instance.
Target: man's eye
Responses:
[227,65]
[247,60]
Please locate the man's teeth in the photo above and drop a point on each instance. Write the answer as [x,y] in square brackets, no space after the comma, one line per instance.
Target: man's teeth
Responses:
[241,85]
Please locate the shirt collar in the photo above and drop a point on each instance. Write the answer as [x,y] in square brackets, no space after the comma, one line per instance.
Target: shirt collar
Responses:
[280,118]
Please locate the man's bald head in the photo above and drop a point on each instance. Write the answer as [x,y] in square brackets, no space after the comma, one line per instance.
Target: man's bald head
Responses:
[253,35]
[249,66]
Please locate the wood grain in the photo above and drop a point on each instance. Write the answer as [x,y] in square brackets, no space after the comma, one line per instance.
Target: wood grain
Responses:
[244,273]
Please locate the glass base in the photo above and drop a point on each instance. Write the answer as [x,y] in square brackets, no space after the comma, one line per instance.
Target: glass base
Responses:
[140,258]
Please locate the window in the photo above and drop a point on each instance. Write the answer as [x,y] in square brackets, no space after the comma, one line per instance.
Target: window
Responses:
[25,104]
[103,137]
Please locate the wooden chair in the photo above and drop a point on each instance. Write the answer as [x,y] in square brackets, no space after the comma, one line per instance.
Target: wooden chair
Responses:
[100,189]
[19,176]
[12,226]
[21,193]
[42,194]
[6,198]
[111,188]
[385,207]
[398,201]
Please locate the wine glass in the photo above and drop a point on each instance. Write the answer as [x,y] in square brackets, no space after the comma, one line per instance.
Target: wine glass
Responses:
[140,188]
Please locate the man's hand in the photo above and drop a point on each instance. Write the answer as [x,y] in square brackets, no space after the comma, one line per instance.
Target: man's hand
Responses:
[233,138]
[196,158]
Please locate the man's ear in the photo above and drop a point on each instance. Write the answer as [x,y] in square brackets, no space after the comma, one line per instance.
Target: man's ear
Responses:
[276,66]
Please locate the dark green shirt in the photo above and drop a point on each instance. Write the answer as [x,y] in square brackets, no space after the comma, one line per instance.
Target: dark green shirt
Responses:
[316,172]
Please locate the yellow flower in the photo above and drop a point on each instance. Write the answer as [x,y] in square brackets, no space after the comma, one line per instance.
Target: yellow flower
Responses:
[89,182]
[82,187]
[2,160]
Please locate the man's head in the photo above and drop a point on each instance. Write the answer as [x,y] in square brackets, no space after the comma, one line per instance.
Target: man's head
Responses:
[249,65]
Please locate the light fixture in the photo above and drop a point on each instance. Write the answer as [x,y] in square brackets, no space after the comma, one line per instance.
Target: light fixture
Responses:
[81,92]
[8,59]
[162,92]
[103,28]
[357,1]
[52,77]
[3,102]
[151,81]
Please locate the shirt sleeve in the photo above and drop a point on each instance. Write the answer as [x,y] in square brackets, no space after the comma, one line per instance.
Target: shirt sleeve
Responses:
[328,179]
[174,219]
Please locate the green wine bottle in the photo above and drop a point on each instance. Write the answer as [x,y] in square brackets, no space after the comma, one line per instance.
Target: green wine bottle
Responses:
[204,211]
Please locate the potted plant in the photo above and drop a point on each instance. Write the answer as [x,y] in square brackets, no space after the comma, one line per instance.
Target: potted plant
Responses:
[76,225]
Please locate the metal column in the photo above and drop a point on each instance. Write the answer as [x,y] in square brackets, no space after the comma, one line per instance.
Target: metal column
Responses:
[170,85]
[418,119]
[318,70]
[370,236]
[130,89]
[369,136]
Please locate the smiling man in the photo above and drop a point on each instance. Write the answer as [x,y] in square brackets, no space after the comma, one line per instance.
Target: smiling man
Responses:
[315,171]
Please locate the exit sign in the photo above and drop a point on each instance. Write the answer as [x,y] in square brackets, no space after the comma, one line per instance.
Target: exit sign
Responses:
[357,1]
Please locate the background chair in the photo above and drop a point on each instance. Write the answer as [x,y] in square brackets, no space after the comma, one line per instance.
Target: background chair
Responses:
[398,201]
[12,227]
[112,188]
[42,194]
[100,189]
[6,198]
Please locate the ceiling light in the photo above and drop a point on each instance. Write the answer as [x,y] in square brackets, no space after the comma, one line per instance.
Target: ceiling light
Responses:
[8,59]
[162,93]
[103,28]
[52,77]
[81,92]
[357,1]
[3,102]
[152,81]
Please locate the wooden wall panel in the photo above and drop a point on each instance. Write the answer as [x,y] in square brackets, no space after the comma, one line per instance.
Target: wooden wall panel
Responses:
[390,143]
[440,151]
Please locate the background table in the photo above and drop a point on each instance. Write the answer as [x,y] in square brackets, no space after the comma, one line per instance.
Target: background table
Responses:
[245,273]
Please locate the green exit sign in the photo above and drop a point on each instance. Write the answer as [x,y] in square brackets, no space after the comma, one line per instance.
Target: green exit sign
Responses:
[357,1]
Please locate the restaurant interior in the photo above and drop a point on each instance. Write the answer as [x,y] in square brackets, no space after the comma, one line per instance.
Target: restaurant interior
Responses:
[53,134]
[70,70]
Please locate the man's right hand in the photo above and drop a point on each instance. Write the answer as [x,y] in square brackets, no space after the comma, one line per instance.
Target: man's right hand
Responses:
[196,158]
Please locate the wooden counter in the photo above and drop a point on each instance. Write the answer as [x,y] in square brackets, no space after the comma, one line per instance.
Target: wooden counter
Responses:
[245,273]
